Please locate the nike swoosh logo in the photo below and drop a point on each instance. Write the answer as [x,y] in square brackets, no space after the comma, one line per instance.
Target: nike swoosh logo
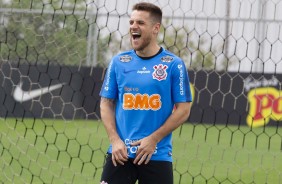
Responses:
[127,71]
[23,96]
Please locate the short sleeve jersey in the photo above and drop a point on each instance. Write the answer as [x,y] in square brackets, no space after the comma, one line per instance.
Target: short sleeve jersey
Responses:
[145,91]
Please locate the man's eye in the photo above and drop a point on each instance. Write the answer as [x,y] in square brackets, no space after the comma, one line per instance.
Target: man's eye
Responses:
[137,22]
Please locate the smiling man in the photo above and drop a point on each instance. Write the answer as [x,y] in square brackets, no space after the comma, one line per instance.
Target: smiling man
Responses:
[140,89]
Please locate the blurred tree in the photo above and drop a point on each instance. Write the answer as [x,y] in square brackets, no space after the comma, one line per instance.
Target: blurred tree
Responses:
[38,33]
[58,32]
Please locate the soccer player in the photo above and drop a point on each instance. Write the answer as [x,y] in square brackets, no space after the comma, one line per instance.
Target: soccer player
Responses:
[140,89]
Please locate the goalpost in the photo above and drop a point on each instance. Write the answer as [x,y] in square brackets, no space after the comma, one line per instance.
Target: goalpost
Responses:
[54,54]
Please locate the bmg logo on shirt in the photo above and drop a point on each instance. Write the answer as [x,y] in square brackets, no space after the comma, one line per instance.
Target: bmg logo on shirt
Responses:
[141,101]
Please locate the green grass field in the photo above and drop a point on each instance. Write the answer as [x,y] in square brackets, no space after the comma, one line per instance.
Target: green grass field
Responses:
[57,151]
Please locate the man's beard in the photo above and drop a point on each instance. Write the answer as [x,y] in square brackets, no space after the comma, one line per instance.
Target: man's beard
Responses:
[146,42]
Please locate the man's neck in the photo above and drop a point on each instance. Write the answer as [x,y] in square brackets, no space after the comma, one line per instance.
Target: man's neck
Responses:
[149,51]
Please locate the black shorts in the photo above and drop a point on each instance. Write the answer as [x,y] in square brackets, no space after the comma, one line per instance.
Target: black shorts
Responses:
[155,172]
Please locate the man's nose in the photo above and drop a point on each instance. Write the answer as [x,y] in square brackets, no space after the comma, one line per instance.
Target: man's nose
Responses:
[133,25]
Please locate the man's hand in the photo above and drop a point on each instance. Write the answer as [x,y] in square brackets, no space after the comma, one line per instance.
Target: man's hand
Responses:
[145,150]
[119,152]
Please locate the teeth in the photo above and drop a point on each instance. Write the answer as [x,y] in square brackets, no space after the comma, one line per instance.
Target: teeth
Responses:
[136,34]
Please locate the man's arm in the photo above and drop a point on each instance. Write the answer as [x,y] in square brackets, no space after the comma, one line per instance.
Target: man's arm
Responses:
[148,144]
[119,150]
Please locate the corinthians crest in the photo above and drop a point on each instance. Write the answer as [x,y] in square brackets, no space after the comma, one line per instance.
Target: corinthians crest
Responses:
[160,72]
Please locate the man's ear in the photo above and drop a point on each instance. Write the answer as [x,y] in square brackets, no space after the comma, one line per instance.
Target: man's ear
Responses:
[157,28]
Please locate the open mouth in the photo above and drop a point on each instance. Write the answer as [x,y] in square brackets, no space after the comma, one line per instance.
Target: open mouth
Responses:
[136,36]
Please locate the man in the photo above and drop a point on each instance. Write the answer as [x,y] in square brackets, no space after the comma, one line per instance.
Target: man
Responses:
[140,89]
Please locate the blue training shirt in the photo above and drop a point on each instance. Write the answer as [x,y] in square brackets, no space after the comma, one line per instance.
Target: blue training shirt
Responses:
[145,91]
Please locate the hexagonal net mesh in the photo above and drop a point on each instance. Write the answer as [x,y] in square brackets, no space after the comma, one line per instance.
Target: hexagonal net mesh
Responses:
[53,57]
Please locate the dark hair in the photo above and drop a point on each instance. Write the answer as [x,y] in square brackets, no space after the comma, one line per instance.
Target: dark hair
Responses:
[154,10]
